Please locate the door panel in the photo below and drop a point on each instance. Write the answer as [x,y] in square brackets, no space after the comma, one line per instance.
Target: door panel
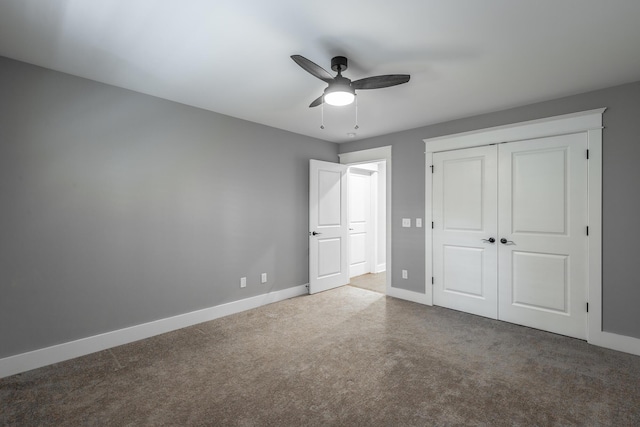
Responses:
[539,185]
[328,232]
[329,255]
[462,269]
[543,218]
[464,213]
[329,206]
[360,241]
[462,193]
[358,249]
[540,281]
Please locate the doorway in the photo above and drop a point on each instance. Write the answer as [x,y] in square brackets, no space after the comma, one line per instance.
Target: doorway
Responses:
[328,219]
[379,276]
[367,225]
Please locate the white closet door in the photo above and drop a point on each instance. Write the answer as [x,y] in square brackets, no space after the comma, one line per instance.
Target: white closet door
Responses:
[542,234]
[465,219]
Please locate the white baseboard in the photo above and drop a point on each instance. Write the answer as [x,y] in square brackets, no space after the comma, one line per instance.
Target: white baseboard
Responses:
[616,342]
[381,267]
[357,270]
[408,295]
[46,356]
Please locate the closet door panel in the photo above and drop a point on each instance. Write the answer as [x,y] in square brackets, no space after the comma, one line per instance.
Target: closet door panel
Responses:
[542,222]
[464,214]
[539,186]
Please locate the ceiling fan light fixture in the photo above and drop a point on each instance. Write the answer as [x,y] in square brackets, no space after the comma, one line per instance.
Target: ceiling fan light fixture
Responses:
[339,95]
[341,90]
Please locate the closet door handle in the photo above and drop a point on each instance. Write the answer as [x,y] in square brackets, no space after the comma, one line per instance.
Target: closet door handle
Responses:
[489,240]
[507,242]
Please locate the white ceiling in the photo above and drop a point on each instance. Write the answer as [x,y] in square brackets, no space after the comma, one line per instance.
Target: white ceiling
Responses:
[465,57]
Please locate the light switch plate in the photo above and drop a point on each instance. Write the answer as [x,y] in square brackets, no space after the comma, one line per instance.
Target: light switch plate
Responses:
[418,222]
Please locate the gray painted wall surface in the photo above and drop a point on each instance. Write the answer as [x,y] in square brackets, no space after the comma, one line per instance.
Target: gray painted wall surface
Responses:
[621,198]
[118,208]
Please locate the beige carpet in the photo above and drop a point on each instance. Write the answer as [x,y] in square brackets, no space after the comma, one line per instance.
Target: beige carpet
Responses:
[373,282]
[346,357]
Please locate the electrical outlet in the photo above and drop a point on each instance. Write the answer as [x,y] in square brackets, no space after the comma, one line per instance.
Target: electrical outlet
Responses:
[263,278]
[243,282]
[405,275]
[406,222]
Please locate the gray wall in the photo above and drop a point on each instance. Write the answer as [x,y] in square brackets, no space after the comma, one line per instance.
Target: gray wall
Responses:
[621,197]
[118,208]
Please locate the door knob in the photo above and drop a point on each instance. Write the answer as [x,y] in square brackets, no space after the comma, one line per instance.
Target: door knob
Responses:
[315,233]
[490,240]
[505,241]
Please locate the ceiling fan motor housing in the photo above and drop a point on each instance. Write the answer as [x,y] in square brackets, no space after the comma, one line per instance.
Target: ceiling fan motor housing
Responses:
[339,63]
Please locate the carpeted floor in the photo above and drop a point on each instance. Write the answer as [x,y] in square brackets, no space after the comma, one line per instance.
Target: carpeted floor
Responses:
[348,357]
[373,282]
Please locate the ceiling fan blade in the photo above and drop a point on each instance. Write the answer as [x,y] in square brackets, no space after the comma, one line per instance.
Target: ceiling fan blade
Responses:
[312,68]
[317,101]
[378,82]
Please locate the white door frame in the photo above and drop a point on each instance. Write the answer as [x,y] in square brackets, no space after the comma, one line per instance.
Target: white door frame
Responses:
[369,156]
[589,122]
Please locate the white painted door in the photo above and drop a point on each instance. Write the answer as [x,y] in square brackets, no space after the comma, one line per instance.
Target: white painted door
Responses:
[360,241]
[328,232]
[543,219]
[465,223]
[531,196]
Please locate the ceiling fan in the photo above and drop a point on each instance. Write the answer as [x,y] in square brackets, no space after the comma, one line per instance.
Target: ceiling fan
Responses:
[341,90]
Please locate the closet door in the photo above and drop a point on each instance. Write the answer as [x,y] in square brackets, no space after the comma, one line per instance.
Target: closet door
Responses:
[542,238]
[464,214]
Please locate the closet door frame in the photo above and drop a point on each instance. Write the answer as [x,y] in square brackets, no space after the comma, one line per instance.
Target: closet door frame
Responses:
[588,122]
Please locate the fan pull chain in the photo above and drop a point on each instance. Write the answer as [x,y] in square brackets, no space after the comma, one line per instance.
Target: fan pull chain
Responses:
[356,126]
[322,110]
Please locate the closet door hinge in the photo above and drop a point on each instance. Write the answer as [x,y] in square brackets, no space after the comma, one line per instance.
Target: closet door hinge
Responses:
[432,281]
[587,154]
[587,230]
[587,307]
[431,168]
[432,226]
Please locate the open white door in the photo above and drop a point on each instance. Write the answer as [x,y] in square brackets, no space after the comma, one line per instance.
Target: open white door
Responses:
[328,226]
